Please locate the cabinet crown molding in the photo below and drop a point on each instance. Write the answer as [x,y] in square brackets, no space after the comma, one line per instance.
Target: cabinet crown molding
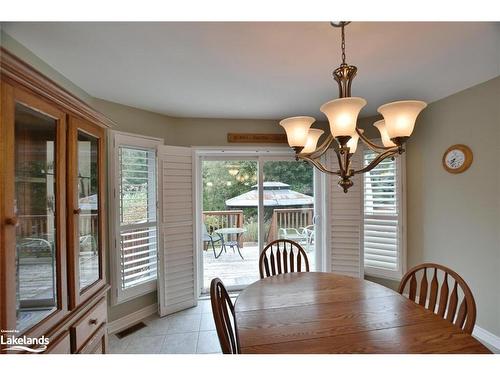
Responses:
[15,69]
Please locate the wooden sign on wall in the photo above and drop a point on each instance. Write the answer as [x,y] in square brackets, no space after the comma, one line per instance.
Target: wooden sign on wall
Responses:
[256,138]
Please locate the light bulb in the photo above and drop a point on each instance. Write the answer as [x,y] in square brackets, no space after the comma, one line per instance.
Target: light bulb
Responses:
[233,171]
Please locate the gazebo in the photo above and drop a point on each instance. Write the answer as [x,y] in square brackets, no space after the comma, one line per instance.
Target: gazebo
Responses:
[291,211]
[276,194]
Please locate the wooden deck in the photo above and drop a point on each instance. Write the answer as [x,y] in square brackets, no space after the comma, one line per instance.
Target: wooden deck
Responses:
[236,273]
[230,268]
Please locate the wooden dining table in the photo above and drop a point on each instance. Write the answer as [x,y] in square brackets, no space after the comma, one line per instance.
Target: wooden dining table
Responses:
[317,312]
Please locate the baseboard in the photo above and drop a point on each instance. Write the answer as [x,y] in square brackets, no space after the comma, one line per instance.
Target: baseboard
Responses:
[171,309]
[487,337]
[128,320]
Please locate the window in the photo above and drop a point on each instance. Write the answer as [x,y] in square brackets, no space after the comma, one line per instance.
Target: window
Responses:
[384,243]
[134,208]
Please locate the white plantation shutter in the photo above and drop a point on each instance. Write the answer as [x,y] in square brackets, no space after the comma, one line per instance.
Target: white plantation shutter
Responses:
[345,221]
[137,203]
[176,282]
[133,224]
[383,207]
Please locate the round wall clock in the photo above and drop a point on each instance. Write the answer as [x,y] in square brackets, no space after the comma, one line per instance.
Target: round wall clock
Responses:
[457,158]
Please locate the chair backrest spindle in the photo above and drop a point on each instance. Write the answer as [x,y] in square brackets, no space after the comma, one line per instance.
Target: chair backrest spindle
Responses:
[284,256]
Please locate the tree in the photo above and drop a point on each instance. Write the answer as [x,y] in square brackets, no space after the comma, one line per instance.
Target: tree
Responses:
[219,184]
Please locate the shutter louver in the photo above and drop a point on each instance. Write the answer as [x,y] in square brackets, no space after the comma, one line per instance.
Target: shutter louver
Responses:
[177,289]
[346,222]
[137,203]
[381,216]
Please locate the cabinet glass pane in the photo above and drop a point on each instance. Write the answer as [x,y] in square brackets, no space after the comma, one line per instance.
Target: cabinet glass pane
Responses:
[88,220]
[35,207]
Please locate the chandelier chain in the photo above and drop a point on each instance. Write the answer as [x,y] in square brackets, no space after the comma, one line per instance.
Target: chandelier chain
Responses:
[343,44]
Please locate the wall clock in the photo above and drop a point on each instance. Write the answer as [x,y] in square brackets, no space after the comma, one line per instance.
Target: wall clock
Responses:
[457,158]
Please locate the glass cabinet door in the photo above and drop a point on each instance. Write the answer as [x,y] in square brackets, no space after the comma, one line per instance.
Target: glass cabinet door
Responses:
[88,208]
[34,230]
[85,202]
[35,187]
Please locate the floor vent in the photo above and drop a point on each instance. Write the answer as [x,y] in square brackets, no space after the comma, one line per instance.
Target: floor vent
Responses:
[130,330]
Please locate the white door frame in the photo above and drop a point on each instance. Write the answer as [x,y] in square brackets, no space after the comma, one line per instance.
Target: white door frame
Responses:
[260,155]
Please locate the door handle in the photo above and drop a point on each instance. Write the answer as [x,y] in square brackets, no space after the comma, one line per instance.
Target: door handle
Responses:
[77,211]
[11,221]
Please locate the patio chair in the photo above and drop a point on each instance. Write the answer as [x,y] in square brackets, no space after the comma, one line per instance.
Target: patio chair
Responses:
[207,237]
[293,234]
[88,244]
[309,233]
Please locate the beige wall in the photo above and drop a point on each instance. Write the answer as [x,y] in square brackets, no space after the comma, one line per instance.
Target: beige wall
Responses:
[213,132]
[134,120]
[455,219]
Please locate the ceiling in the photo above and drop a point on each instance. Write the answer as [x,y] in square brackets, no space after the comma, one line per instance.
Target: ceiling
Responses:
[260,70]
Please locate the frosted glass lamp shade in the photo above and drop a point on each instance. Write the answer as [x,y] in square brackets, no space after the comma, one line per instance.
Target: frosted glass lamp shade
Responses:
[312,140]
[400,117]
[353,142]
[386,141]
[342,115]
[297,129]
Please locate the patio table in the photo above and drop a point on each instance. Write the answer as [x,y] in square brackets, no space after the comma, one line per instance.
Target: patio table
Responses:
[228,231]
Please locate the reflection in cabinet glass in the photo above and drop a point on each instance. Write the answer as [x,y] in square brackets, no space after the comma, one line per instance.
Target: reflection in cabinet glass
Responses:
[88,205]
[35,208]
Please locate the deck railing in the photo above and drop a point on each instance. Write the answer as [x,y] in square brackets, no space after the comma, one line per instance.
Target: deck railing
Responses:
[224,219]
[289,218]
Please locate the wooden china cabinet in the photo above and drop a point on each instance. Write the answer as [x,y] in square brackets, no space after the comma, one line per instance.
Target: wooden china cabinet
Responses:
[52,212]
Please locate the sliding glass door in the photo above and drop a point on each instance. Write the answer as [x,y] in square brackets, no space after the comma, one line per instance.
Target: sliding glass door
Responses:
[288,204]
[245,203]
[229,227]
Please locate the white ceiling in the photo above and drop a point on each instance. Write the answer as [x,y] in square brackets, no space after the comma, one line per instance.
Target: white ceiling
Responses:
[262,70]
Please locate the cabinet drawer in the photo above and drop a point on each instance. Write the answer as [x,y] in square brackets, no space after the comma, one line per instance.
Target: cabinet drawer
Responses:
[61,345]
[89,324]
[96,343]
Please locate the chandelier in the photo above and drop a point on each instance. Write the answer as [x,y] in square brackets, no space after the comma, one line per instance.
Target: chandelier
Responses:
[342,113]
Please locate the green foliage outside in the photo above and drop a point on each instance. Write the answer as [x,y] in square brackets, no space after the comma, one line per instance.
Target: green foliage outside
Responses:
[221,182]
[136,185]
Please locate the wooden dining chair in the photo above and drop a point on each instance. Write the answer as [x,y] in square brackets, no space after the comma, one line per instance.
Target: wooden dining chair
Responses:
[224,317]
[437,298]
[282,256]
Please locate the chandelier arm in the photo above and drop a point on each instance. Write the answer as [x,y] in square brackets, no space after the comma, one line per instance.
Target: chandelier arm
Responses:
[372,146]
[316,163]
[377,160]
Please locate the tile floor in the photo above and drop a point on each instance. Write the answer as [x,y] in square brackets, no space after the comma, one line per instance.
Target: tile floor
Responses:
[191,331]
